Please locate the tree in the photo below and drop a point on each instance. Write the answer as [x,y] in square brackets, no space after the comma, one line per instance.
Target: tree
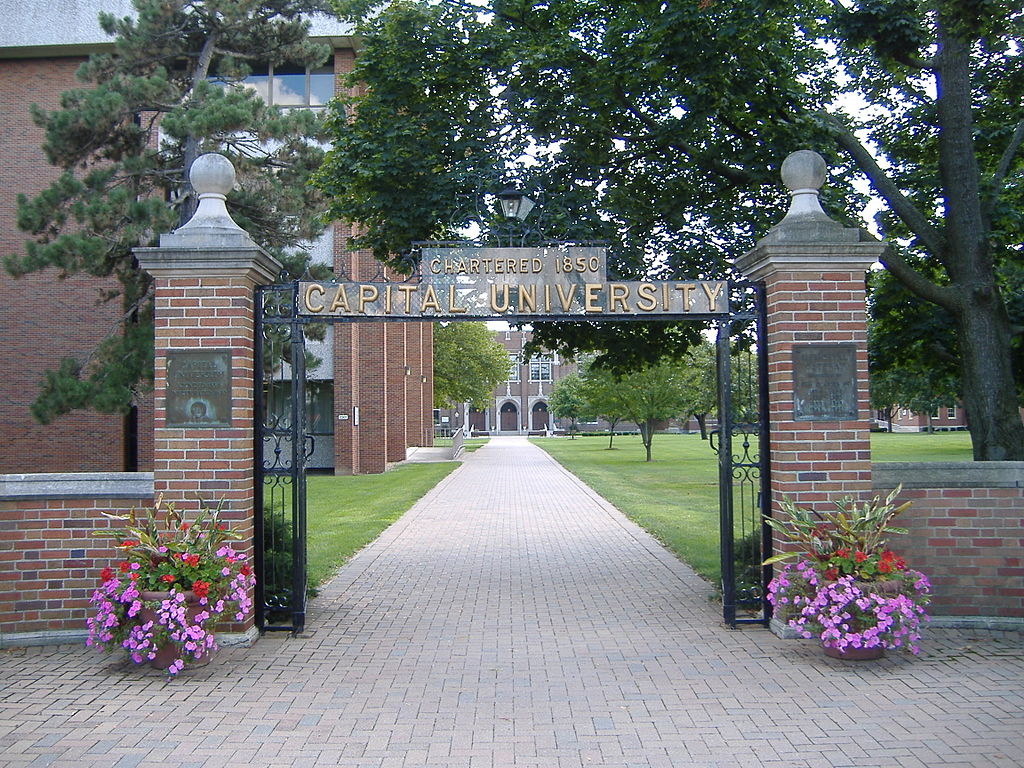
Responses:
[468,364]
[700,385]
[670,150]
[568,400]
[652,394]
[171,89]
[603,395]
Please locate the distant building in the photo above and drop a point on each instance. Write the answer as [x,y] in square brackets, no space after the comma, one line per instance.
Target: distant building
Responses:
[945,419]
[521,405]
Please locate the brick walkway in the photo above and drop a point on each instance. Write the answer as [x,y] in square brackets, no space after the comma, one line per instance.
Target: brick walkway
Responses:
[513,618]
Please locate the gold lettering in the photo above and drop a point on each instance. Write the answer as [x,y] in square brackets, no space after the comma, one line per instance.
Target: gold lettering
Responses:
[527,298]
[340,301]
[499,266]
[618,293]
[712,294]
[664,296]
[430,300]
[685,288]
[566,301]
[495,306]
[387,300]
[538,266]
[590,296]
[487,265]
[463,268]
[474,266]
[451,302]
[367,295]
[307,297]
[435,266]
[547,297]
[646,299]
[408,290]
[449,267]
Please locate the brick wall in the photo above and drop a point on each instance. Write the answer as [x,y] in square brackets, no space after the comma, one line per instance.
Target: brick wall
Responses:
[49,559]
[966,533]
[45,318]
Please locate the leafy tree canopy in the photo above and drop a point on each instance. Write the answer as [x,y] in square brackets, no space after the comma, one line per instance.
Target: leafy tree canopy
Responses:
[468,364]
[170,90]
[660,127]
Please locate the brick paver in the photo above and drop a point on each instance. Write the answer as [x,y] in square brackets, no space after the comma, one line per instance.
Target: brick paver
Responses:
[514,618]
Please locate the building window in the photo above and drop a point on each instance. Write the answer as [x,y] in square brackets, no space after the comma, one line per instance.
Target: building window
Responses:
[513,368]
[951,413]
[540,369]
[292,86]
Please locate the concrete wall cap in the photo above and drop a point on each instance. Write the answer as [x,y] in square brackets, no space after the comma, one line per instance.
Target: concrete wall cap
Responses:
[77,485]
[948,474]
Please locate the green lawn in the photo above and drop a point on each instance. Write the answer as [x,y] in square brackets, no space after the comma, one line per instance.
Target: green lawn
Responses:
[345,513]
[675,497]
[921,446]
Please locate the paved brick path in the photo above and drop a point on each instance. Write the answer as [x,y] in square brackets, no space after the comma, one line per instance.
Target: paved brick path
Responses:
[513,618]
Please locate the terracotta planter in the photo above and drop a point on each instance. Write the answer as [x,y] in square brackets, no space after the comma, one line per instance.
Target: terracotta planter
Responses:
[167,652]
[855,654]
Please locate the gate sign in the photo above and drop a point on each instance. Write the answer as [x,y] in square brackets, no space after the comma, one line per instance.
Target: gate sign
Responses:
[496,282]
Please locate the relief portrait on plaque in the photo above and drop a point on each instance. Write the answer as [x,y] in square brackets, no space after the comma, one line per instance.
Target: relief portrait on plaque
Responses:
[199,388]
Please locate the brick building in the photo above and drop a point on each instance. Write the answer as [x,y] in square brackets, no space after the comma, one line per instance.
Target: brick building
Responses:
[384,371]
[520,404]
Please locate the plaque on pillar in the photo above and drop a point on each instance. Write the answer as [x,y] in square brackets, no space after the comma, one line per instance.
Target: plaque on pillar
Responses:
[824,382]
[198,388]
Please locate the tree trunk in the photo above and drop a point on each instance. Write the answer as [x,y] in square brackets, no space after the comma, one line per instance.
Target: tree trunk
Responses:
[702,422]
[990,396]
[647,435]
[983,325]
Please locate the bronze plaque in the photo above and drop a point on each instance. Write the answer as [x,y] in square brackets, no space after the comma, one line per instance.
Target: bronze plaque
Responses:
[199,388]
[824,382]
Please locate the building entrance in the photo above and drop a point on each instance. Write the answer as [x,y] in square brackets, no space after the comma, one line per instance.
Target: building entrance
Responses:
[508,418]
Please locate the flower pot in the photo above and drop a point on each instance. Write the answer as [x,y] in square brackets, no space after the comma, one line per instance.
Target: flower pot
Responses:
[168,651]
[855,654]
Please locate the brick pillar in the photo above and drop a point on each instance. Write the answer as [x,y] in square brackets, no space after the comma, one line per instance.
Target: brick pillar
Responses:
[814,274]
[205,276]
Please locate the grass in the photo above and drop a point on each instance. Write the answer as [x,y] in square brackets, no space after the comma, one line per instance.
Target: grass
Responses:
[345,513]
[921,446]
[675,497]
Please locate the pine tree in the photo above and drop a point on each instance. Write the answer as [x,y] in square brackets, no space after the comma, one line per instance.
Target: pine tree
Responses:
[171,89]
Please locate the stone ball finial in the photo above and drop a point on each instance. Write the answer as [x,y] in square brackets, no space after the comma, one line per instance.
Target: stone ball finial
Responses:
[212,174]
[803,170]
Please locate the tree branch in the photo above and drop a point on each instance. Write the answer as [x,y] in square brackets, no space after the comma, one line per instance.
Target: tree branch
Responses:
[1004,167]
[931,238]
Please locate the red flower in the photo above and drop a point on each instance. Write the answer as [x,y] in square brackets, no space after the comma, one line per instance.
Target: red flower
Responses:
[128,543]
[106,574]
[831,574]
[122,567]
[190,560]
[169,578]
[885,566]
[245,570]
[843,552]
[222,526]
[184,526]
[860,557]
[201,588]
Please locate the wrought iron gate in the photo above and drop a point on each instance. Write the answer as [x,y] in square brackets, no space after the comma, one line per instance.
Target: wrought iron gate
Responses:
[282,448]
[741,441]
[284,444]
